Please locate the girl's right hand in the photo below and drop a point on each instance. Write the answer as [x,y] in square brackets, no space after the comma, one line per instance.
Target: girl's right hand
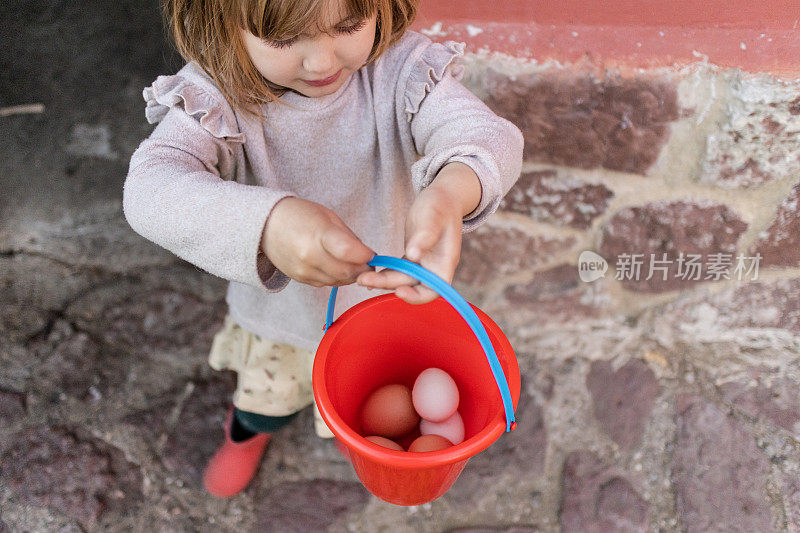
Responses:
[309,243]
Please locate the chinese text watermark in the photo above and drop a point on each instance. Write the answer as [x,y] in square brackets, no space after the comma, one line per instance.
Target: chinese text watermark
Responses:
[688,267]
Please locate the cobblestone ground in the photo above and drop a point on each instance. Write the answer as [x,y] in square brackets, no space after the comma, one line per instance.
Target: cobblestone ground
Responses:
[108,410]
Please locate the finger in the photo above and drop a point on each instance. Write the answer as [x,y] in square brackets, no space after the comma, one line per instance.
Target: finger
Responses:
[425,294]
[342,273]
[317,278]
[330,272]
[343,245]
[416,295]
[385,279]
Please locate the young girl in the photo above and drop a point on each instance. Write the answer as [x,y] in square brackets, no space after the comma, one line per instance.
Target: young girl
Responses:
[302,138]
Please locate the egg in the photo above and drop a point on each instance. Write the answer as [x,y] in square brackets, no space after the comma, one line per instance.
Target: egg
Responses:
[388,412]
[429,443]
[386,443]
[406,440]
[435,395]
[452,429]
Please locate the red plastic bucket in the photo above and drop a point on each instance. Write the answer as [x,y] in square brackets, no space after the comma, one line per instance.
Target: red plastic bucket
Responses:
[385,340]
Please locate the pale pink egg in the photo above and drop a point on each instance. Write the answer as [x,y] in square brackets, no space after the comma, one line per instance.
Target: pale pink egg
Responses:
[435,395]
[452,429]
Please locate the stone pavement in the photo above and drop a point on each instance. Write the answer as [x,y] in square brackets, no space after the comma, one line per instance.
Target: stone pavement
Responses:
[682,416]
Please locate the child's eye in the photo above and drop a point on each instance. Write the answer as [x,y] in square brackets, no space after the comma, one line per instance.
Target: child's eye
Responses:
[284,43]
[353,27]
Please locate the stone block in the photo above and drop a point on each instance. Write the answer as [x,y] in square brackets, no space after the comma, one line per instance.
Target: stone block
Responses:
[756,304]
[574,119]
[189,444]
[547,196]
[623,399]
[12,406]
[597,498]
[779,244]
[95,237]
[495,530]
[148,320]
[67,470]
[308,505]
[20,322]
[674,244]
[758,140]
[73,363]
[776,400]
[554,295]
[719,475]
[492,252]
[36,283]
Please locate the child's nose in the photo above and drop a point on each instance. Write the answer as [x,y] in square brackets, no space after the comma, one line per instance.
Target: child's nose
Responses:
[320,58]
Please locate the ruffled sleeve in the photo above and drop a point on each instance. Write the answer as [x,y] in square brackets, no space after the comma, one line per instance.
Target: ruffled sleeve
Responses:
[429,69]
[183,190]
[186,90]
[448,123]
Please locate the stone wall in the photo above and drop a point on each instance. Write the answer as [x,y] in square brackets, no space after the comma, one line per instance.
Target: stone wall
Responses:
[666,390]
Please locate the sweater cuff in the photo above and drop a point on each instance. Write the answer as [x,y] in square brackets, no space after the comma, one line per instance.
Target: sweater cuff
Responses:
[271,278]
[266,274]
[481,162]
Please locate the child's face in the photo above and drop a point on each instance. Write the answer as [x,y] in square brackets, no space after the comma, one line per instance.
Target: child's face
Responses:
[313,63]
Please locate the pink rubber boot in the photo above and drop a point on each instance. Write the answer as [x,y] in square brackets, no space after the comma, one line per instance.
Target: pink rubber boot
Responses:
[234,464]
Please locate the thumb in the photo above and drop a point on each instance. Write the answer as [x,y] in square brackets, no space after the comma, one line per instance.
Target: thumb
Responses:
[343,244]
[421,242]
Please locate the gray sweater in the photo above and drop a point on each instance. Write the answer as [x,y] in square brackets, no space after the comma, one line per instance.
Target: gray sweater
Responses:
[203,184]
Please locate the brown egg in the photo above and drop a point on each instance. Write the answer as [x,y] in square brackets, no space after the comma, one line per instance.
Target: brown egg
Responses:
[386,443]
[389,412]
[429,443]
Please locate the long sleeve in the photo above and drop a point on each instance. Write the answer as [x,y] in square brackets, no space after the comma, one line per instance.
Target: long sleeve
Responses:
[448,123]
[175,196]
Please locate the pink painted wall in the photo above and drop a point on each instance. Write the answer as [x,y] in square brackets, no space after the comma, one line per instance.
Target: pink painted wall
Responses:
[626,34]
[769,14]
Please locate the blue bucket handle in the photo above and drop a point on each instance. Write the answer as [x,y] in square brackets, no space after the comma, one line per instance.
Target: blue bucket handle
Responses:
[446,291]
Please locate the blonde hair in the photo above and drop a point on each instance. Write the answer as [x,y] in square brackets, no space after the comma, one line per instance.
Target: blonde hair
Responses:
[208,32]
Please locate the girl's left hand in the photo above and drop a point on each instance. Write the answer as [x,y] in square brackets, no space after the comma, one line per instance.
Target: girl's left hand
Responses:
[433,234]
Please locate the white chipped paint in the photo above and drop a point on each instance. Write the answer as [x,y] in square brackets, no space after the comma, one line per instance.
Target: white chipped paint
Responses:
[473,30]
[435,30]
